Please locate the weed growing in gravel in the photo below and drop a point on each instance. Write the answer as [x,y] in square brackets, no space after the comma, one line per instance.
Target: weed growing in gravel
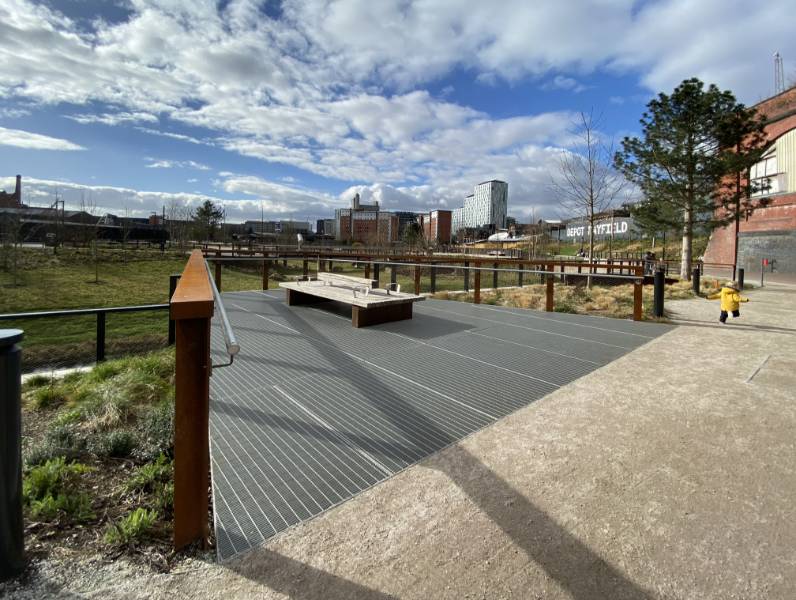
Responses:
[136,526]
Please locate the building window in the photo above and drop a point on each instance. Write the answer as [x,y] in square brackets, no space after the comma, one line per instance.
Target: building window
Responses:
[764,176]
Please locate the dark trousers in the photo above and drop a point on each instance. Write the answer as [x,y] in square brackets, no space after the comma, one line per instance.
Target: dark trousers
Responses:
[723,315]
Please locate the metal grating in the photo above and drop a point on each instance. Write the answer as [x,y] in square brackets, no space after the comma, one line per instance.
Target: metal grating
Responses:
[314,411]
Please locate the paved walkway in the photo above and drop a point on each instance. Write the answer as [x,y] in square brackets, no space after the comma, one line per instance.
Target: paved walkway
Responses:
[668,473]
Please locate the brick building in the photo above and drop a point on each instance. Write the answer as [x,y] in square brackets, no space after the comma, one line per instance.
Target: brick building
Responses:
[12,199]
[770,231]
[366,224]
[436,226]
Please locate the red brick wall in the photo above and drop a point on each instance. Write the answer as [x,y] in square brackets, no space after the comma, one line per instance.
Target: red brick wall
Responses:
[780,214]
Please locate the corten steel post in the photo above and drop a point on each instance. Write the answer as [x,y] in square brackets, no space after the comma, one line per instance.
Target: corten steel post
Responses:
[466,276]
[192,309]
[367,270]
[417,280]
[12,543]
[638,289]
[376,273]
[695,276]
[100,336]
[393,274]
[218,275]
[266,266]
[305,269]
[495,277]
[477,292]
[433,278]
[549,289]
[519,276]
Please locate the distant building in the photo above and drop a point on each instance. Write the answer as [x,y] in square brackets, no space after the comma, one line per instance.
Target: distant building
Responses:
[436,226]
[12,199]
[365,223]
[325,227]
[484,211]
[276,227]
[405,218]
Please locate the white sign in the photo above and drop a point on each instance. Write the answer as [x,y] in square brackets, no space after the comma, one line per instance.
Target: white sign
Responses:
[600,229]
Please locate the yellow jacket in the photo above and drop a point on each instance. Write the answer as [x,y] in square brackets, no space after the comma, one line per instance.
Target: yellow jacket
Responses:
[730,299]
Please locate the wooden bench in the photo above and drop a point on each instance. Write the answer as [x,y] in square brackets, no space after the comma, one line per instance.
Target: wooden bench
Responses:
[369,305]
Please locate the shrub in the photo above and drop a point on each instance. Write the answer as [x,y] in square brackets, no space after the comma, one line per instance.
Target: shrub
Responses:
[155,432]
[36,381]
[564,307]
[49,491]
[146,477]
[116,444]
[50,396]
[137,525]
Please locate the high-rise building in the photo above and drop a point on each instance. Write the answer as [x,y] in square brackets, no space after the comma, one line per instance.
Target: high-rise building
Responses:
[486,207]
[457,220]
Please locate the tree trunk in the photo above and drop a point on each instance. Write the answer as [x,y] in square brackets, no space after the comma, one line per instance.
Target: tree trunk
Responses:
[591,251]
[688,236]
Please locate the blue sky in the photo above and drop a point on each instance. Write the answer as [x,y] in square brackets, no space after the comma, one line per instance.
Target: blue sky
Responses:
[292,107]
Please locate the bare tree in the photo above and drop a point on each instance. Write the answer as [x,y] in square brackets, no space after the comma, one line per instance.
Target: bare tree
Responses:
[587,183]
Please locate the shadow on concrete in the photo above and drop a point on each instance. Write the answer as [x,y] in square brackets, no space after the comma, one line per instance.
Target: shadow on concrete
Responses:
[574,566]
[731,325]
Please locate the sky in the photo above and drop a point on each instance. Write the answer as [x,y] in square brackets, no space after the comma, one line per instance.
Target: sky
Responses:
[286,109]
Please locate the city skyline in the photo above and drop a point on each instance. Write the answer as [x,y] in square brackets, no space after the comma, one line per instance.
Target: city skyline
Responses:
[290,108]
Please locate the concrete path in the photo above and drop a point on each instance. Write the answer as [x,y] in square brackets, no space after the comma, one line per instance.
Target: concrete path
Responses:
[669,473]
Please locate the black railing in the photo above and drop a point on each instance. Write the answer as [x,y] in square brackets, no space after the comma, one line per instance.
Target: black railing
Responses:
[100,312]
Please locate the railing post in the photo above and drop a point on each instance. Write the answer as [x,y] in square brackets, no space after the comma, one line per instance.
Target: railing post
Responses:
[173,279]
[376,273]
[740,279]
[519,276]
[192,309]
[695,276]
[305,269]
[495,277]
[393,274]
[638,294]
[549,289]
[218,275]
[477,291]
[657,305]
[417,279]
[466,276]
[367,270]
[433,278]
[100,336]
[12,541]
[266,268]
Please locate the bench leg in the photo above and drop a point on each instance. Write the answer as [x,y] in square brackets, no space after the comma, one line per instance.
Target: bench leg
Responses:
[362,317]
[296,298]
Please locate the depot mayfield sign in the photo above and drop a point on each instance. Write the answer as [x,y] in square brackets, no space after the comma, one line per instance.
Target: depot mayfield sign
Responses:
[616,228]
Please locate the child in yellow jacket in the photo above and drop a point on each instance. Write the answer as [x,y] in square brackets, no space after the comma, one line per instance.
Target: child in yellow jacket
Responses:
[730,300]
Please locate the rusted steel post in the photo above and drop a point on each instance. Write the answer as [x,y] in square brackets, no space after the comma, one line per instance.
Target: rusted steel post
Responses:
[433,277]
[638,288]
[376,274]
[519,275]
[218,275]
[305,268]
[393,274]
[192,309]
[367,270]
[477,291]
[466,276]
[549,289]
[266,268]
[417,280]
[495,277]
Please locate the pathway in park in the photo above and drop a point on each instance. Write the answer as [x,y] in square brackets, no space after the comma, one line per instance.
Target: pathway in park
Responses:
[666,473]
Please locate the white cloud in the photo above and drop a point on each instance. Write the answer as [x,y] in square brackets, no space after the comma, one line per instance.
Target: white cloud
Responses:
[175,136]
[254,194]
[114,118]
[176,164]
[561,82]
[34,141]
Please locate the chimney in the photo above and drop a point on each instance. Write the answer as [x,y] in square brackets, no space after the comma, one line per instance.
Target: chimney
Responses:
[18,189]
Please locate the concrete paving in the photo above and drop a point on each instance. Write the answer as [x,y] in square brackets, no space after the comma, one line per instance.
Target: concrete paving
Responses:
[668,473]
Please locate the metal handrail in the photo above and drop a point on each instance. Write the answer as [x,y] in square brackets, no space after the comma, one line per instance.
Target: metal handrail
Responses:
[81,311]
[230,341]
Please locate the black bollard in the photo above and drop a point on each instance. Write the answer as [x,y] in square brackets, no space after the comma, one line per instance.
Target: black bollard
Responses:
[740,280]
[12,547]
[695,280]
[657,308]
